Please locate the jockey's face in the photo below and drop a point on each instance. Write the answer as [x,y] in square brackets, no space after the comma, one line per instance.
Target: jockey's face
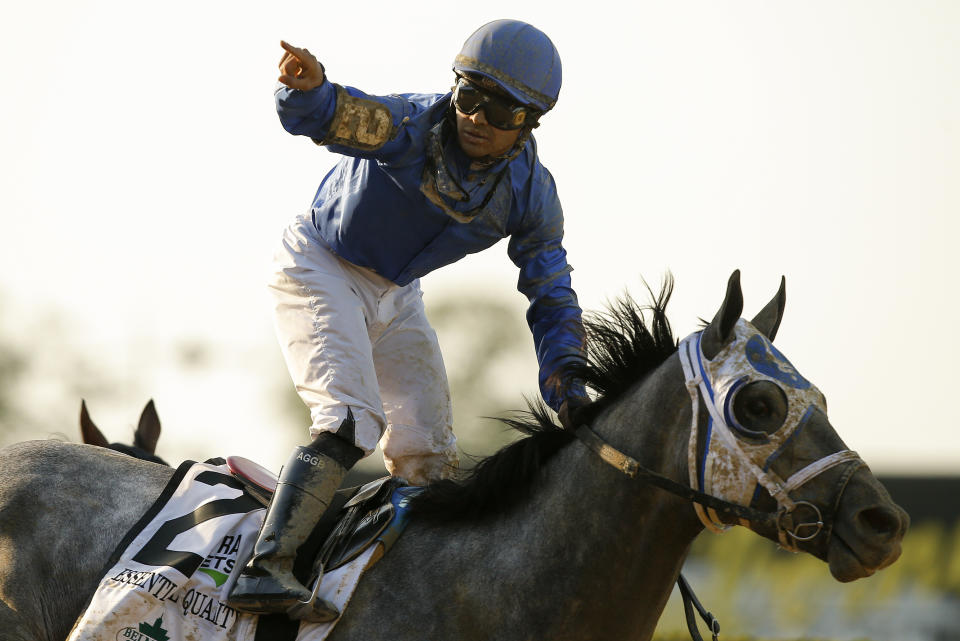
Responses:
[478,138]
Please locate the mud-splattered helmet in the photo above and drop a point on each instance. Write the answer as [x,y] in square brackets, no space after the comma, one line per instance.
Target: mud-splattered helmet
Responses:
[518,57]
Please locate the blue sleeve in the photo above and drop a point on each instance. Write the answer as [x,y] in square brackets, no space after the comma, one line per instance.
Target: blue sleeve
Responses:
[554,315]
[306,113]
[351,122]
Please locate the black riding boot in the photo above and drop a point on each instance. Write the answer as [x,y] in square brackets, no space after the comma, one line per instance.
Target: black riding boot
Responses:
[306,486]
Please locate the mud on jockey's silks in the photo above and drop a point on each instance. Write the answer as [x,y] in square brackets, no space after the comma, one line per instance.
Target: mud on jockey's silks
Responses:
[730,466]
[441,187]
[405,200]
[403,177]
[367,124]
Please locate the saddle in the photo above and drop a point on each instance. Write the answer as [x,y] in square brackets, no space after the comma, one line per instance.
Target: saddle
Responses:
[357,518]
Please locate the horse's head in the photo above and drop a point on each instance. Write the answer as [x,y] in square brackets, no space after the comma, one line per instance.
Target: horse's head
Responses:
[145,437]
[766,442]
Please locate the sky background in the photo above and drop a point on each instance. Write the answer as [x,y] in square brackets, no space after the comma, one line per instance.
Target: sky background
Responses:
[145,181]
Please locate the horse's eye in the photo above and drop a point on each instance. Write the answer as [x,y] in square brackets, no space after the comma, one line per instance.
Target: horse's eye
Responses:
[760,407]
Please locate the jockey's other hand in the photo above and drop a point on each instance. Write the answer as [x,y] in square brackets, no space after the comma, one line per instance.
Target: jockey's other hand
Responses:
[300,69]
[568,412]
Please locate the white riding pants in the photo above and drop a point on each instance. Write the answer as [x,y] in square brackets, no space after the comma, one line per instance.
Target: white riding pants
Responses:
[353,339]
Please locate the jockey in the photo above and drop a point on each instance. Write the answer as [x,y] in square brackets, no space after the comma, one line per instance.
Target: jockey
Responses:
[424,180]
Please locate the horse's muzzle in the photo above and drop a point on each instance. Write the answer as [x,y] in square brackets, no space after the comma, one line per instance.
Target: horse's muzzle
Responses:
[867,536]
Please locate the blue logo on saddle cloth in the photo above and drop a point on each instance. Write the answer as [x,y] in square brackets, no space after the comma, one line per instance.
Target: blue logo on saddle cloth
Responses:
[767,359]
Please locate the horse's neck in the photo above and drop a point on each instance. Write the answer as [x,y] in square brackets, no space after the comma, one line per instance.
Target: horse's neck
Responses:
[593,554]
[631,537]
[611,547]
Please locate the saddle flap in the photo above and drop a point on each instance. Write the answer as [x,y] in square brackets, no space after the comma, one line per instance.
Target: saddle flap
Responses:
[352,542]
[367,492]
[363,518]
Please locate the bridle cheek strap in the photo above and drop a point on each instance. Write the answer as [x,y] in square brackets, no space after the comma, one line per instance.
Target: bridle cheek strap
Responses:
[697,388]
[700,390]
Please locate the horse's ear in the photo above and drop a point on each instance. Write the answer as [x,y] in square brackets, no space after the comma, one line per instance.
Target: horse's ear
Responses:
[148,431]
[768,320]
[720,329]
[89,432]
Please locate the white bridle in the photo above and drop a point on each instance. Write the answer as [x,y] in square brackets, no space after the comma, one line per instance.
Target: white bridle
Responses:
[731,467]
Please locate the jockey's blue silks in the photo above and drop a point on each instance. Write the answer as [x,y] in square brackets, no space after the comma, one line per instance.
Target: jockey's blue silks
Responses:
[410,201]
[731,467]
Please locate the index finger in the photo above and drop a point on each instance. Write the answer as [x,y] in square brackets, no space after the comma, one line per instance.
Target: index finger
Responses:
[289,48]
[289,52]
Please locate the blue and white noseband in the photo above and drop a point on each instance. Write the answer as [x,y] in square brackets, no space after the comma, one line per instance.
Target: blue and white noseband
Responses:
[735,460]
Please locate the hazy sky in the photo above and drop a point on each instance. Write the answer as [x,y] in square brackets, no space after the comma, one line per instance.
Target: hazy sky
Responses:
[145,181]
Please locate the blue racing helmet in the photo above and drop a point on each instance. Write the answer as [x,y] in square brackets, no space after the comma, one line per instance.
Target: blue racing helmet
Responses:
[517,56]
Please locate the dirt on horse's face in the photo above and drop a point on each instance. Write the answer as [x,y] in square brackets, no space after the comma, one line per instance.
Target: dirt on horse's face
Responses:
[766,442]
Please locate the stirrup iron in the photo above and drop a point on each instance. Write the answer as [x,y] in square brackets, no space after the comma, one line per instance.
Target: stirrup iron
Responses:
[314,609]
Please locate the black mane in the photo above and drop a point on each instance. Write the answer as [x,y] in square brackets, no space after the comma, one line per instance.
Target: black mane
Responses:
[620,350]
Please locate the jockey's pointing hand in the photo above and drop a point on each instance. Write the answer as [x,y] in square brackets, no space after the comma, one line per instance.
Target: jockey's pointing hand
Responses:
[299,69]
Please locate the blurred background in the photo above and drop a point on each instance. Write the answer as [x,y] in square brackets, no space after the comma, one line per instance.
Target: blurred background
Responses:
[145,180]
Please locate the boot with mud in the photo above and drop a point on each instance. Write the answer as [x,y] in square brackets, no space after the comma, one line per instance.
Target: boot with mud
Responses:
[306,486]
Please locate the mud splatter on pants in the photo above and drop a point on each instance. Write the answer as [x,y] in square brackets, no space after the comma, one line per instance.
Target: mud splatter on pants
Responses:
[352,338]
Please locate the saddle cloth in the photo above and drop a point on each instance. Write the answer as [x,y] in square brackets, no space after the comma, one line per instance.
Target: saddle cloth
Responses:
[169,577]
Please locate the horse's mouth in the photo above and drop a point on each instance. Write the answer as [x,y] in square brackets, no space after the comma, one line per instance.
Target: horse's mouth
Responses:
[846,565]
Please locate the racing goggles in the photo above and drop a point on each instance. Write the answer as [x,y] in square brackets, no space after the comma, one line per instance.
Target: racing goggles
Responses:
[499,112]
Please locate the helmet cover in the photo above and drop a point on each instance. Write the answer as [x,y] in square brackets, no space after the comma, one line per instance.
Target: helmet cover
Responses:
[518,57]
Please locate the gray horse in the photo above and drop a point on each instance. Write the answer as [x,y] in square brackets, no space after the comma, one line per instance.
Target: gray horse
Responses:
[558,536]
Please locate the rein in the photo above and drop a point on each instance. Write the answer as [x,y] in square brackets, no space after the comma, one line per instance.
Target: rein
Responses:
[631,468]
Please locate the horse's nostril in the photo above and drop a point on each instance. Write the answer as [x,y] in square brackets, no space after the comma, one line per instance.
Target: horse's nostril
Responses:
[879,520]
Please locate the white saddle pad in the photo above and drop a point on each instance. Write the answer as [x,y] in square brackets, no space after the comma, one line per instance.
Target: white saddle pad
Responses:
[169,577]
